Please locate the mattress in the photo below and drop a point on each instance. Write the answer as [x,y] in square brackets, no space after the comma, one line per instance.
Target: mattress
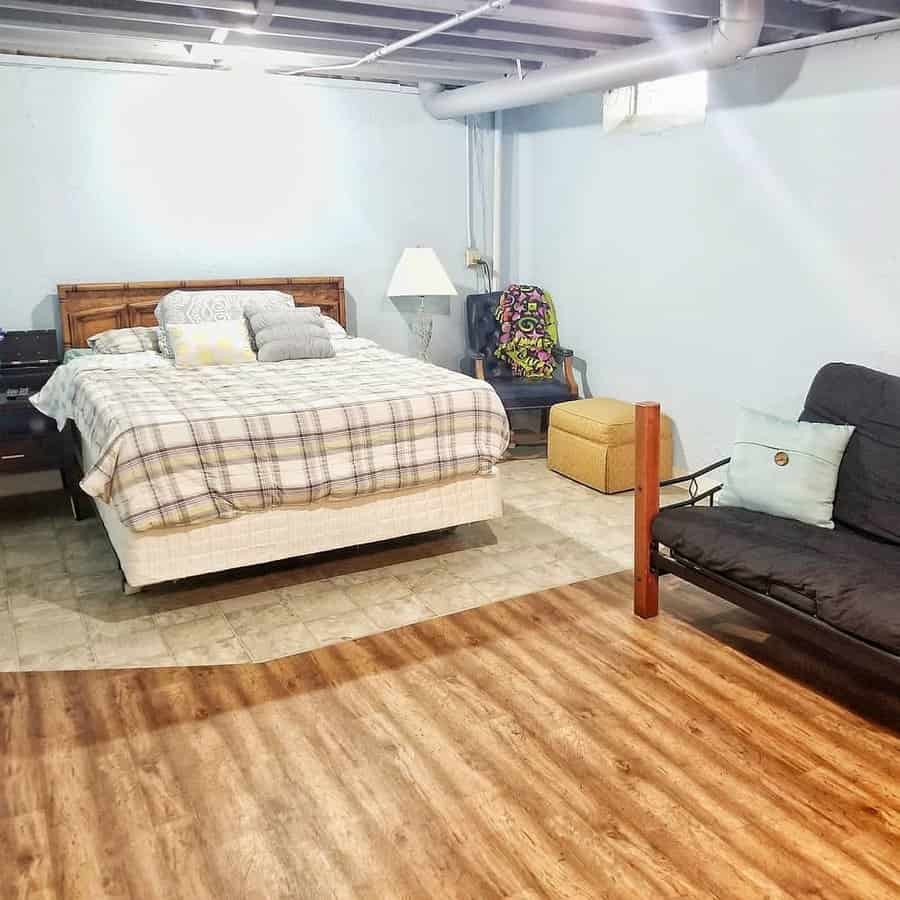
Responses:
[164,554]
[178,447]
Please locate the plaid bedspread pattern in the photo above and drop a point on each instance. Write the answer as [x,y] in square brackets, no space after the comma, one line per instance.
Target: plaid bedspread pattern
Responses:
[182,446]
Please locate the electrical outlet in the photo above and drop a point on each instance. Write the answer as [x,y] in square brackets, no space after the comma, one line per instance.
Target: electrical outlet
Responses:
[473,257]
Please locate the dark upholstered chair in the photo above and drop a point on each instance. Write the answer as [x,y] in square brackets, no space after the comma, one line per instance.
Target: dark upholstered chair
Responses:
[516,394]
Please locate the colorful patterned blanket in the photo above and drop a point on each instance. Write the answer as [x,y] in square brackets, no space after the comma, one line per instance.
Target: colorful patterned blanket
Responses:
[528,331]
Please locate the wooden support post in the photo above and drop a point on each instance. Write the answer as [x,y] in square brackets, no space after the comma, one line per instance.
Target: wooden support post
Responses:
[646,506]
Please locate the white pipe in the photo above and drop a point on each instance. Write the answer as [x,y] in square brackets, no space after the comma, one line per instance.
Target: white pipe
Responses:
[733,36]
[827,37]
[469,241]
[497,216]
[408,41]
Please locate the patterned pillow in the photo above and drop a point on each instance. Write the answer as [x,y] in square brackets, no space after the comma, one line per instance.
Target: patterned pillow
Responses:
[125,340]
[223,343]
[194,307]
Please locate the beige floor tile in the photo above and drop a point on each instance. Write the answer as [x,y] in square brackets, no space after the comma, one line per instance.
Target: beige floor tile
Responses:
[414,567]
[428,581]
[184,614]
[443,602]
[328,601]
[42,637]
[97,584]
[80,657]
[500,587]
[278,642]
[475,565]
[90,560]
[49,570]
[249,601]
[399,612]
[27,553]
[553,532]
[623,556]
[35,612]
[227,650]
[113,606]
[541,577]
[261,619]
[160,661]
[7,637]
[125,623]
[354,578]
[197,632]
[342,627]
[378,590]
[137,649]
[596,565]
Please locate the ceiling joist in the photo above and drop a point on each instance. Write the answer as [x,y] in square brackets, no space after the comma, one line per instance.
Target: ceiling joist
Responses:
[530,33]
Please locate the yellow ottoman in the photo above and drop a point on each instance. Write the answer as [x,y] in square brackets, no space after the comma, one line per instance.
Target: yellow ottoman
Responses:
[592,441]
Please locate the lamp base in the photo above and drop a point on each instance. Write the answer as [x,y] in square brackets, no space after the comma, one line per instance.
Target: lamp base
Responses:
[422,328]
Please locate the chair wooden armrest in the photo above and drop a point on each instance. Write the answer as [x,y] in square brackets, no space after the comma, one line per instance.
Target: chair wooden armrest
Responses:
[477,363]
[565,356]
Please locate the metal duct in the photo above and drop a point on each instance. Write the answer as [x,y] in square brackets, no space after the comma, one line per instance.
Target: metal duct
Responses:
[717,45]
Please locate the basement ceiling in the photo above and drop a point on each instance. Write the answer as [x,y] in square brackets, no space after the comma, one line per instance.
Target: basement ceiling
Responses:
[291,33]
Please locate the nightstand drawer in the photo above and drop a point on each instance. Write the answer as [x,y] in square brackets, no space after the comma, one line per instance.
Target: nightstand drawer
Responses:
[30,454]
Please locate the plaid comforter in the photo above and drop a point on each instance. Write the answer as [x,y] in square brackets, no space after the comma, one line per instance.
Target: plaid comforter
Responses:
[179,446]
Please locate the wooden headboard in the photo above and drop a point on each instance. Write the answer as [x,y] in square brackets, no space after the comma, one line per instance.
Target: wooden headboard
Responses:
[88,309]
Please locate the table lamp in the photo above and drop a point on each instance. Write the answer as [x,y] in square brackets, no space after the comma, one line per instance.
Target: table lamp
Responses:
[419,273]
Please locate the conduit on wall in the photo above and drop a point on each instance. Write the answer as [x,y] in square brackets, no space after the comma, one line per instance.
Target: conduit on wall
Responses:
[720,44]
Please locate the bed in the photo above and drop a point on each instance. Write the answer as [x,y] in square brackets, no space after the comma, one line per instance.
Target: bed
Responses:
[319,454]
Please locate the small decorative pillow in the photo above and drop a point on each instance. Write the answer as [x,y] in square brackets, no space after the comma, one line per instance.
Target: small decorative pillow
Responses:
[194,307]
[125,340]
[211,344]
[291,334]
[784,468]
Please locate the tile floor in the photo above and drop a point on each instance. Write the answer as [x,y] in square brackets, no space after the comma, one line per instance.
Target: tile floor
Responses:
[61,605]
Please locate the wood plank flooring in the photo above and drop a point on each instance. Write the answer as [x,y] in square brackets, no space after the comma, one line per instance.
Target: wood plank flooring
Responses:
[548,746]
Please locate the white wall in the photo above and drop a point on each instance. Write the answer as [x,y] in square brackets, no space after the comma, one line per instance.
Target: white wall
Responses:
[115,176]
[722,264]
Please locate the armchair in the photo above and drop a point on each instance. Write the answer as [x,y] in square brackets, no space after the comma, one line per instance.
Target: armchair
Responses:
[517,394]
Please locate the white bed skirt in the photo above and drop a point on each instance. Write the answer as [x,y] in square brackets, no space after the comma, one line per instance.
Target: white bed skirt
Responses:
[163,554]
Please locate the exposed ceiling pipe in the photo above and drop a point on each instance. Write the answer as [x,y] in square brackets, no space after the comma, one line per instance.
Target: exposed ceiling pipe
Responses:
[408,41]
[721,44]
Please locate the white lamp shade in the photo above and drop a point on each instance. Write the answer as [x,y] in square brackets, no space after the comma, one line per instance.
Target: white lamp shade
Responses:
[420,274]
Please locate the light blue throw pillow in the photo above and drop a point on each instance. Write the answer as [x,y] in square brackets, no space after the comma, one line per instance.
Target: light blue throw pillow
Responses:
[784,468]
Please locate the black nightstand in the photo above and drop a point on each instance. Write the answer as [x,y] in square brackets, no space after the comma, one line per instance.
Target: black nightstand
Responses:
[29,441]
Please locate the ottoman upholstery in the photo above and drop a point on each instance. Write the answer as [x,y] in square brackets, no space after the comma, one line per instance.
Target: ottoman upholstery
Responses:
[593,441]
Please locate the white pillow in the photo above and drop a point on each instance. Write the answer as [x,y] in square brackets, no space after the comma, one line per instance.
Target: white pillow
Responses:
[785,468]
[211,343]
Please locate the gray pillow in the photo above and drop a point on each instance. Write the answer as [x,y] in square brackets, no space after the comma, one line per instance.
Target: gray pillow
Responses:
[263,316]
[290,334]
[784,468]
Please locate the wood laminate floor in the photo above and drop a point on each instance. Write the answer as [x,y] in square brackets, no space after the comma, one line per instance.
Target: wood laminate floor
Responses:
[547,746]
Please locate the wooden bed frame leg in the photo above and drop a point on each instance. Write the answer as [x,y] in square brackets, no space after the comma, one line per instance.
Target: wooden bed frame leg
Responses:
[646,506]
